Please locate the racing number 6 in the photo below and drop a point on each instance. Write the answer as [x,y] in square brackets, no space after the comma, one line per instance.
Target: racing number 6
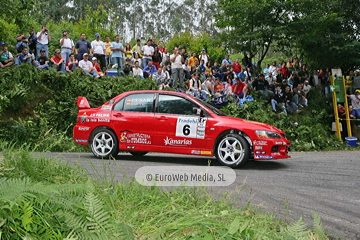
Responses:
[186,130]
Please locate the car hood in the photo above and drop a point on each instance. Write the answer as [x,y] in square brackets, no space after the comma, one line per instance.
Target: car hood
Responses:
[250,124]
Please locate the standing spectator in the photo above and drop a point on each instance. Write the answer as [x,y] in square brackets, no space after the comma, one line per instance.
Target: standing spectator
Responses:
[153,42]
[96,65]
[187,70]
[87,66]
[149,70]
[22,41]
[237,67]
[284,70]
[165,54]
[306,87]
[349,82]
[355,102]
[138,48]
[314,79]
[176,68]
[82,46]
[147,53]
[43,40]
[278,99]
[272,68]
[226,60]
[32,39]
[137,72]
[204,56]
[117,49]
[57,61]
[6,58]
[98,50]
[157,57]
[72,64]
[67,46]
[266,70]
[108,51]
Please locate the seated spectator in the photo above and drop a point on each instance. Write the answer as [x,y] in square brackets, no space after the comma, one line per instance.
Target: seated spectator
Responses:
[226,60]
[165,74]
[127,69]
[22,42]
[306,87]
[57,61]
[149,69]
[261,85]
[159,78]
[87,66]
[23,57]
[278,99]
[352,112]
[218,87]
[299,96]
[96,65]
[242,75]
[237,66]
[195,87]
[192,60]
[42,61]
[248,82]
[137,71]
[355,102]
[208,69]
[6,58]
[136,58]
[239,88]
[228,87]
[72,64]
[290,106]
[208,85]
[216,72]
[187,70]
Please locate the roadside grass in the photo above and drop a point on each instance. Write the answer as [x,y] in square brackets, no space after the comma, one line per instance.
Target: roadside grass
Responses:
[44,198]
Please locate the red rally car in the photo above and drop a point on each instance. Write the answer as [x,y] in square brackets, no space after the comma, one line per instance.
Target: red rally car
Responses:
[171,122]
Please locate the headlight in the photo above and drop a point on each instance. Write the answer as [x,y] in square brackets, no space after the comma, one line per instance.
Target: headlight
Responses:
[267,134]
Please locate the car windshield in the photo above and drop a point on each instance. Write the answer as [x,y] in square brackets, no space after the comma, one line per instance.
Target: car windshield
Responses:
[213,109]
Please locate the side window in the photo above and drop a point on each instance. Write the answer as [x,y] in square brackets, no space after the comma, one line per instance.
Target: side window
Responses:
[119,105]
[142,102]
[175,105]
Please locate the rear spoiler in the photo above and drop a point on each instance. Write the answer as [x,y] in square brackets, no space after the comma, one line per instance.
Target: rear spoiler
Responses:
[82,103]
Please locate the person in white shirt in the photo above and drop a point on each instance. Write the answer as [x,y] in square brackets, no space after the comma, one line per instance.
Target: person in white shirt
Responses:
[98,50]
[177,68]
[67,46]
[195,87]
[204,56]
[43,41]
[137,71]
[87,66]
[147,53]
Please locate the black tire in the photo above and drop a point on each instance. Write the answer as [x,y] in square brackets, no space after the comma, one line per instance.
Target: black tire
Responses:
[104,143]
[138,154]
[232,150]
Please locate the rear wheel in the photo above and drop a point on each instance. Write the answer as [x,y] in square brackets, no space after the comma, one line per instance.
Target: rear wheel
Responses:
[233,151]
[138,154]
[104,143]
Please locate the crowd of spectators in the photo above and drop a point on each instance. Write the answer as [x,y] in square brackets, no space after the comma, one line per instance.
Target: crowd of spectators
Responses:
[285,86]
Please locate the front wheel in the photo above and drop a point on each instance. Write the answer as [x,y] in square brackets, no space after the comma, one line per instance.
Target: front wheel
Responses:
[233,151]
[104,143]
[138,154]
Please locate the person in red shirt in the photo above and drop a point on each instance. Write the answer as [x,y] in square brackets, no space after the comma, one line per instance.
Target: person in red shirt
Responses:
[57,61]
[284,71]
[97,66]
[237,67]
[72,64]
[239,88]
[218,87]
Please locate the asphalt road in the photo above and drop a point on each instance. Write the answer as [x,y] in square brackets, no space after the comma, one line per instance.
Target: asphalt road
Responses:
[325,182]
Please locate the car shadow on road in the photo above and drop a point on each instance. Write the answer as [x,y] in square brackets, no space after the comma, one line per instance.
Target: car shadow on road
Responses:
[201,161]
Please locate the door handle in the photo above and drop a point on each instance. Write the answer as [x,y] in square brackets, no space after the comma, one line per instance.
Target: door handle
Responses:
[118,115]
[162,118]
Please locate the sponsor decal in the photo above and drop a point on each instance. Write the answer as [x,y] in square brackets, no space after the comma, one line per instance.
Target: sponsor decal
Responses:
[106,107]
[276,153]
[103,120]
[257,142]
[83,128]
[177,142]
[279,143]
[263,157]
[129,137]
[206,152]
[130,147]
[81,140]
[99,115]
[195,152]
[138,101]
[83,117]
[97,120]
[258,147]
[191,127]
